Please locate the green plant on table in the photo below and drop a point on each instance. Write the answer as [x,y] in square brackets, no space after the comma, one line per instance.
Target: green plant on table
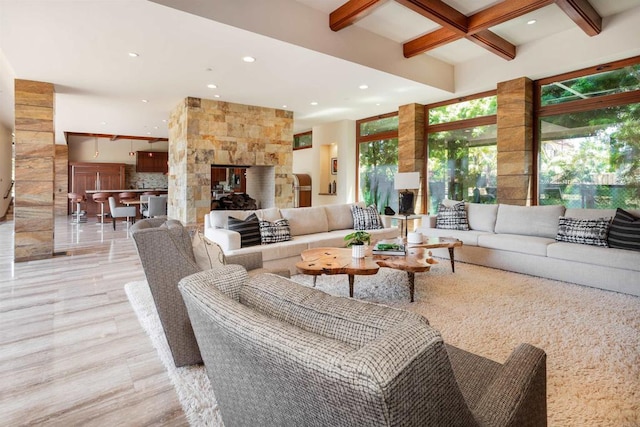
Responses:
[357,238]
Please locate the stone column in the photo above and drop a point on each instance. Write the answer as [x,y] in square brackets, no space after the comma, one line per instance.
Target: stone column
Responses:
[515,141]
[204,132]
[34,170]
[412,146]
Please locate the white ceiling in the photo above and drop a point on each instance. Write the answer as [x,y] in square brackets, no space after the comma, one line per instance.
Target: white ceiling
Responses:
[82,47]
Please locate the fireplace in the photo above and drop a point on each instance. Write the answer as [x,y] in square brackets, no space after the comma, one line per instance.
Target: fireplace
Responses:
[258,182]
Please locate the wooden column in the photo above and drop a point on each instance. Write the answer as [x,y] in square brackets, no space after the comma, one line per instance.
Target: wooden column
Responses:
[412,146]
[515,141]
[34,170]
[61,180]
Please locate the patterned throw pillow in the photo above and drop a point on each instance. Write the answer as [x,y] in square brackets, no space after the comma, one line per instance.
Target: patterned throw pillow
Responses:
[583,231]
[624,232]
[249,230]
[276,231]
[452,218]
[366,218]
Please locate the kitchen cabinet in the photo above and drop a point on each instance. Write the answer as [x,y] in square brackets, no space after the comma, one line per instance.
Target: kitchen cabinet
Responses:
[95,176]
[152,161]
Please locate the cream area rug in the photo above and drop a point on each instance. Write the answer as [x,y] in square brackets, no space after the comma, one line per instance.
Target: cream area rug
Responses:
[591,337]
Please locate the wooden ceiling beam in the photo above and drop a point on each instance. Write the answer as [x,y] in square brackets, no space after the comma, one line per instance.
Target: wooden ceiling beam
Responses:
[583,14]
[440,12]
[494,44]
[112,137]
[351,12]
[429,41]
[503,12]
[455,26]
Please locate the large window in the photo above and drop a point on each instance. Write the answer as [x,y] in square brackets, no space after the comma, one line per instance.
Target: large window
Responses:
[462,151]
[589,137]
[377,140]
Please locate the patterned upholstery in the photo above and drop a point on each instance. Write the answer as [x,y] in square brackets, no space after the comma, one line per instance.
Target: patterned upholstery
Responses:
[166,253]
[278,353]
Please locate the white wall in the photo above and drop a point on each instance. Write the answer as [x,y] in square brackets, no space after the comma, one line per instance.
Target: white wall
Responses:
[5,167]
[82,149]
[315,162]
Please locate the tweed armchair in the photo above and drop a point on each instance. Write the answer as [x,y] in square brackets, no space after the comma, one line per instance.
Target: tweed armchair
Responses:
[278,353]
[165,250]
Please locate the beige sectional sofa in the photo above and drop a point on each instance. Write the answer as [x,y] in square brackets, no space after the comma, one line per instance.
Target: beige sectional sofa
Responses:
[313,227]
[523,239]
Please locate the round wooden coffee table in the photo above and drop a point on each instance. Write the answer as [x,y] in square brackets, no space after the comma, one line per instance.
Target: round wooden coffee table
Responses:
[339,261]
[319,261]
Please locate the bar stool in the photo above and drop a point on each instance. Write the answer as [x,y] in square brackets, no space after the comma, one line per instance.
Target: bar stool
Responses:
[78,199]
[129,198]
[101,198]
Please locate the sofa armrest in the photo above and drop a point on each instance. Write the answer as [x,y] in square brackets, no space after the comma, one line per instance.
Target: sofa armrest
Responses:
[517,395]
[250,261]
[227,239]
[429,221]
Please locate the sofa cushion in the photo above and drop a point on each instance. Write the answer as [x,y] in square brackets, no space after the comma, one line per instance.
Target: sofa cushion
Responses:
[366,218]
[249,230]
[468,238]
[482,217]
[582,213]
[530,245]
[274,232]
[339,217]
[583,231]
[606,257]
[306,220]
[541,221]
[625,231]
[452,218]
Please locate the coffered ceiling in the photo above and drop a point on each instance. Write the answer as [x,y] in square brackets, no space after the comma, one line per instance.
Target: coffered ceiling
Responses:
[83,46]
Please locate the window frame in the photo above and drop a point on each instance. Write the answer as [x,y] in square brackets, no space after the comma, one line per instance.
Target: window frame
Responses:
[575,106]
[453,125]
[371,137]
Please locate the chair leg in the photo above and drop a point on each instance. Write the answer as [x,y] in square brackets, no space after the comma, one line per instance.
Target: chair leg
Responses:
[114,222]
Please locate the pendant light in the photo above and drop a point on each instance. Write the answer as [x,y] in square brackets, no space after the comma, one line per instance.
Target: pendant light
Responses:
[95,143]
[131,152]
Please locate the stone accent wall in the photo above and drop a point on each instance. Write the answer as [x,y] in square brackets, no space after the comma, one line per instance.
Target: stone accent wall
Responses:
[515,141]
[203,132]
[412,145]
[34,170]
[61,180]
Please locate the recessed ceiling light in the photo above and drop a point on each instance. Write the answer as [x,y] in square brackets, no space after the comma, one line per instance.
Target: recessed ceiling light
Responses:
[133,54]
[378,104]
[148,133]
[249,59]
[216,96]
[103,123]
[531,22]
[145,100]
[211,86]
[314,103]
[164,120]
[284,106]
[363,87]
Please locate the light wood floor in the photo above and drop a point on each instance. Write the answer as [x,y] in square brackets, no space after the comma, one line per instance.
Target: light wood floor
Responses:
[71,349]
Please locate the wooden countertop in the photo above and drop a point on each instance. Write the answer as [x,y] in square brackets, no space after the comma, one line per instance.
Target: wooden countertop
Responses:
[137,190]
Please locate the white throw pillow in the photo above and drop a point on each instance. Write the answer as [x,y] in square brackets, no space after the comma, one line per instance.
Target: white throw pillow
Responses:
[208,254]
